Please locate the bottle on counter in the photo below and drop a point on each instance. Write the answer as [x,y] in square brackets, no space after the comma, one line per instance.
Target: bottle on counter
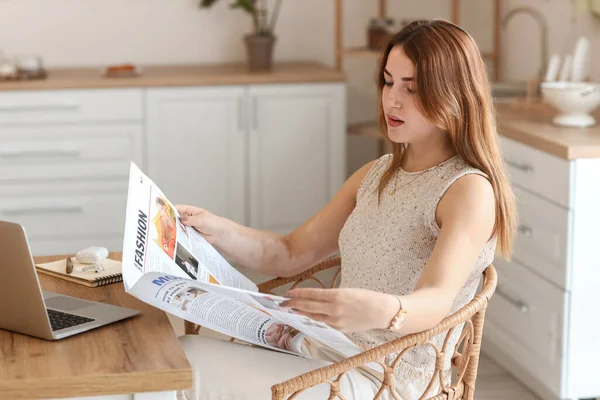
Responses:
[8,69]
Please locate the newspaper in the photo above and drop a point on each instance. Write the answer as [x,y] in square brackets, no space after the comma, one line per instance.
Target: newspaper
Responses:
[173,268]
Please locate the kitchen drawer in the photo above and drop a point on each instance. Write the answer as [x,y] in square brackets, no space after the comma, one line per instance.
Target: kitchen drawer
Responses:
[59,152]
[27,107]
[67,215]
[525,319]
[542,239]
[537,171]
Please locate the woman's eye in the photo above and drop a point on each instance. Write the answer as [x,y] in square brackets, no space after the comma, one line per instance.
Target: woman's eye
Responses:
[387,83]
[409,90]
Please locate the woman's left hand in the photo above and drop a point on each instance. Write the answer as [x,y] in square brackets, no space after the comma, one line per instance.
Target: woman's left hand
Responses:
[346,309]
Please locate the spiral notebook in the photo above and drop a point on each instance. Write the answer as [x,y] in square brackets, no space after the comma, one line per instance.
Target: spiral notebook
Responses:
[111,274]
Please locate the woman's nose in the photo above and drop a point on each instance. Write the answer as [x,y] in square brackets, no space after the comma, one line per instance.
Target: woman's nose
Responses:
[394,99]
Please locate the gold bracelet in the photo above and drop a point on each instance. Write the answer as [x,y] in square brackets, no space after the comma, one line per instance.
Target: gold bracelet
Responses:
[399,318]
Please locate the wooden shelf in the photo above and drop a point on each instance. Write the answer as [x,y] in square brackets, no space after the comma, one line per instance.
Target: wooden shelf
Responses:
[368,129]
[341,51]
[361,52]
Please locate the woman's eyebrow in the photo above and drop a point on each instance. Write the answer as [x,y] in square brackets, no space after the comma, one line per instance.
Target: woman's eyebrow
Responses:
[404,79]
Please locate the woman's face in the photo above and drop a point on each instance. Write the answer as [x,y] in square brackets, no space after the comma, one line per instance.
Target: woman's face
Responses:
[404,121]
[164,215]
[163,212]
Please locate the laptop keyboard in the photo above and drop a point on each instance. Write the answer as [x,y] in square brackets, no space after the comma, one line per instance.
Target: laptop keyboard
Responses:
[60,320]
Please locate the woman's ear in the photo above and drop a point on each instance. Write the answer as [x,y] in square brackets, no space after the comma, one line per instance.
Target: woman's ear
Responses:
[442,126]
[443,129]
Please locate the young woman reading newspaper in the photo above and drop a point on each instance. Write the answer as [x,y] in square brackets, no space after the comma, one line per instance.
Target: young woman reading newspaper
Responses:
[415,228]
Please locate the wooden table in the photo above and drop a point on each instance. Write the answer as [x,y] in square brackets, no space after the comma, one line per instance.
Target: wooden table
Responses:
[136,356]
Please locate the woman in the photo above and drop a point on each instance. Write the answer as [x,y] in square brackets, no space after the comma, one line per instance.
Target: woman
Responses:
[415,228]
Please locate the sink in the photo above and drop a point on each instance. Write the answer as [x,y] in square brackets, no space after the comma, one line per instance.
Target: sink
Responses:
[507,90]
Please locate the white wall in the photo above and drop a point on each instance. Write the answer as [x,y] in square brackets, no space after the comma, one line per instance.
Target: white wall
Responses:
[100,32]
[520,50]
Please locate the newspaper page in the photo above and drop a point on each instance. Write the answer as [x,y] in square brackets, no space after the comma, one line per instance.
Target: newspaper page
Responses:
[237,316]
[176,270]
[156,241]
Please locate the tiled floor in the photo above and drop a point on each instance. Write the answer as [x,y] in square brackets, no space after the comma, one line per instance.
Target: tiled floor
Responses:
[493,383]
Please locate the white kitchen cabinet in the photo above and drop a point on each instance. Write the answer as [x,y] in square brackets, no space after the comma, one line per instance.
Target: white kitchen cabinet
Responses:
[64,163]
[70,106]
[264,155]
[52,153]
[296,152]
[542,324]
[267,156]
[197,147]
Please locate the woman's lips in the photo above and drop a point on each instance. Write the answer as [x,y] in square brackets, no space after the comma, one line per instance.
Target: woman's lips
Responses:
[393,121]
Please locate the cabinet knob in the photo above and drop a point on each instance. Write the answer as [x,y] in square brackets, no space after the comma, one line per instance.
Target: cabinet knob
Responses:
[57,209]
[520,305]
[525,230]
[22,153]
[521,167]
[240,107]
[10,108]
[254,114]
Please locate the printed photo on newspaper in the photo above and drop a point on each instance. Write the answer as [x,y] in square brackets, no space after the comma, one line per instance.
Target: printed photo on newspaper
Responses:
[173,268]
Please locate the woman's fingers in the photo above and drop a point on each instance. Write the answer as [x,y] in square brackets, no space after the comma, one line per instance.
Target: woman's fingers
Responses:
[326,295]
[187,210]
[182,209]
[306,305]
[190,216]
[319,318]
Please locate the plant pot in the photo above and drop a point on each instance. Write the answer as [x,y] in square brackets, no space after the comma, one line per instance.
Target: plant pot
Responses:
[260,52]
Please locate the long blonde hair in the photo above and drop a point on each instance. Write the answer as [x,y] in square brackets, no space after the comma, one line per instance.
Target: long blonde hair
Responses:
[453,91]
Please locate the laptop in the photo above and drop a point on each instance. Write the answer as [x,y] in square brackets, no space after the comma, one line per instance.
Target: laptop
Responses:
[26,309]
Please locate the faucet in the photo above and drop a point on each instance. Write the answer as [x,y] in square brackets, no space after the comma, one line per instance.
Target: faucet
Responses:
[543,30]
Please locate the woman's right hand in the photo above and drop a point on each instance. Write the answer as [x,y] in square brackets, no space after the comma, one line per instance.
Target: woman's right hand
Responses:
[206,223]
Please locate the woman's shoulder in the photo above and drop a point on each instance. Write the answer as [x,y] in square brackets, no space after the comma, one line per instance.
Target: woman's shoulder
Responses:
[470,180]
[457,173]
[373,170]
[463,187]
[458,167]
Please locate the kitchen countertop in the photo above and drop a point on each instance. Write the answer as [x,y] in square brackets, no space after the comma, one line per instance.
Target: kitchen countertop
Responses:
[529,127]
[534,128]
[181,75]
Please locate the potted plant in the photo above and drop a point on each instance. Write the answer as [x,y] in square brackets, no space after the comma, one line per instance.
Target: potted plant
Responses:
[259,43]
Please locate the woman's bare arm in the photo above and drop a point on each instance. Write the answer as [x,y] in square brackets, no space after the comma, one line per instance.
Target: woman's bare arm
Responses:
[466,216]
[280,255]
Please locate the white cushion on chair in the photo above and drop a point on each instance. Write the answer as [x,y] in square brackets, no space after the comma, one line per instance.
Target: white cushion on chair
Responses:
[233,371]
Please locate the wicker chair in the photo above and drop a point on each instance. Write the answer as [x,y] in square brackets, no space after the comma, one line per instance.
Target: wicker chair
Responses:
[465,358]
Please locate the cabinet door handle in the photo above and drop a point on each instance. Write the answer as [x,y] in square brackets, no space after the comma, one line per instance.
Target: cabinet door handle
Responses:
[39,108]
[525,230]
[521,306]
[254,113]
[58,209]
[522,167]
[5,153]
[240,114]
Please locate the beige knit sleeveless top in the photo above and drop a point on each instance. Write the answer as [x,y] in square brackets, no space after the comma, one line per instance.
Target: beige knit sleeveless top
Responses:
[385,246]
